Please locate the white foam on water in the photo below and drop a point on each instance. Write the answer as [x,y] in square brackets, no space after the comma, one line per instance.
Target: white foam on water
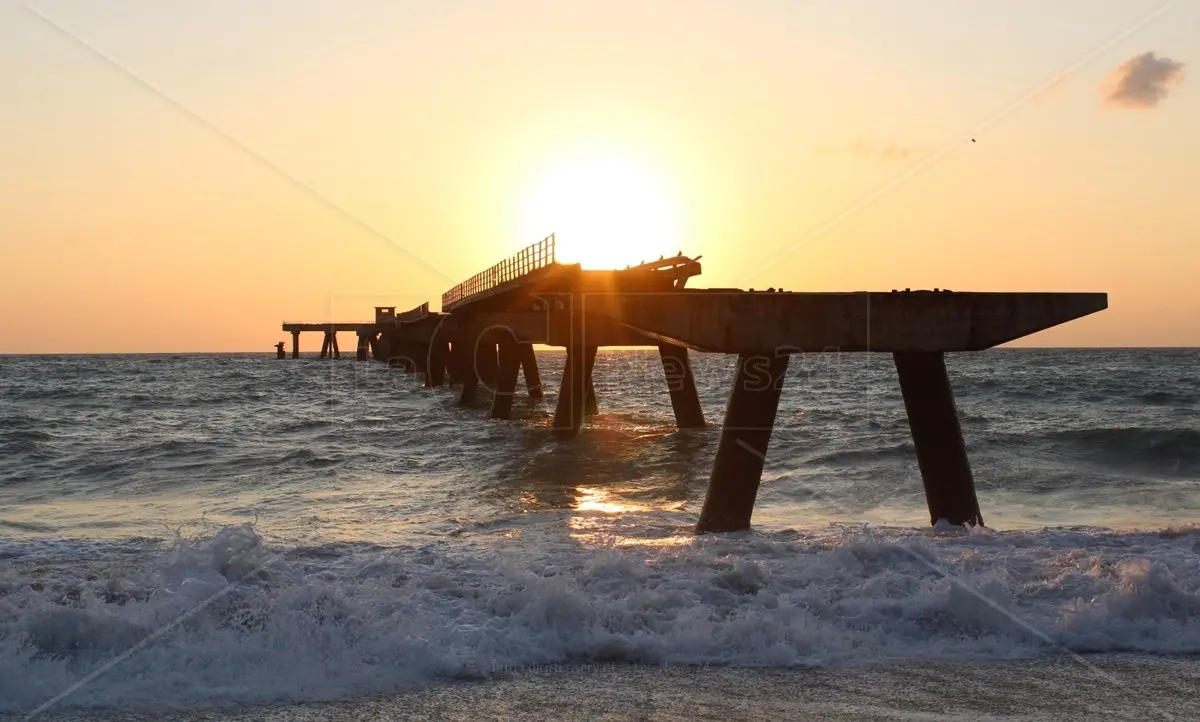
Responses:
[323,623]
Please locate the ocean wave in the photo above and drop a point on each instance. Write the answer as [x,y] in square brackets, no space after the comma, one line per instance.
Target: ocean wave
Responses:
[249,623]
[1136,443]
[26,441]
[54,393]
[1174,449]
[309,458]
[18,422]
[306,425]
[1167,398]
[852,457]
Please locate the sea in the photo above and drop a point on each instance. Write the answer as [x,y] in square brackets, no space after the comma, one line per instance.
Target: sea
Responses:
[235,537]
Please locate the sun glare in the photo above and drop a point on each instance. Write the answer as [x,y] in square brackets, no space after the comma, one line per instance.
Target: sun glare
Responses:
[605,212]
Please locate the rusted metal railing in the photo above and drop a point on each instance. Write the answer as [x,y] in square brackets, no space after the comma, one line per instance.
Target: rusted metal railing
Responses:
[539,255]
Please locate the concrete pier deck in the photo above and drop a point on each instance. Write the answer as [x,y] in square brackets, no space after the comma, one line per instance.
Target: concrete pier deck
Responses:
[485,337]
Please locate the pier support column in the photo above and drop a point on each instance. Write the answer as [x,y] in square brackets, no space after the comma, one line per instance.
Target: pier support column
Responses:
[590,407]
[470,387]
[435,375]
[681,384]
[486,360]
[569,412]
[383,347]
[506,379]
[455,363]
[329,347]
[441,359]
[364,346]
[295,344]
[533,379]
[742,450]
[941,453]
[480,365]
[416,356]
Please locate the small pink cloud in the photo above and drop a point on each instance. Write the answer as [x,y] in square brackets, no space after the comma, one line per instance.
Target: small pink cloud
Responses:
[1142,81]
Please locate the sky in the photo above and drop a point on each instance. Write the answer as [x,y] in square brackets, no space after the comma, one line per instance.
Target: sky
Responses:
[183,176]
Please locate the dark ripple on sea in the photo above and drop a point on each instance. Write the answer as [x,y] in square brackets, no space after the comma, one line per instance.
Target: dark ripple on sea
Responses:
[177,437]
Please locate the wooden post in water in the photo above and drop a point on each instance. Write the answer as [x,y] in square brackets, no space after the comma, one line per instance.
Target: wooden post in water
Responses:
[435,376]
[506,378]
[441,358]
[572,403]
[486,359]
[937,435]
[590,407]
[295,344]
[681,384]
[533,379]
[480,363]
[742,450]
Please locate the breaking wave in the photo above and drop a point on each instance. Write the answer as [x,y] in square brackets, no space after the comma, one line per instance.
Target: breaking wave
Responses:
[239,620]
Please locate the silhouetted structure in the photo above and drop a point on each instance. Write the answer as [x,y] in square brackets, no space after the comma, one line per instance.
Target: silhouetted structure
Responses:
[485,335]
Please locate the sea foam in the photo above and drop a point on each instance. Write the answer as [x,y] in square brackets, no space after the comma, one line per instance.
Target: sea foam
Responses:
[239,620]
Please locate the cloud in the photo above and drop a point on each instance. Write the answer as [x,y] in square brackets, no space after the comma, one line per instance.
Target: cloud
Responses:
[1142,81]
[865,149]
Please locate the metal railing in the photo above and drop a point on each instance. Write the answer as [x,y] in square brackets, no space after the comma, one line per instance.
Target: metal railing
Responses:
[539,255]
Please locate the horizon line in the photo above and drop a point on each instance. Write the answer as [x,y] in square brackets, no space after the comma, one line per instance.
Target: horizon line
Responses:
[271,353]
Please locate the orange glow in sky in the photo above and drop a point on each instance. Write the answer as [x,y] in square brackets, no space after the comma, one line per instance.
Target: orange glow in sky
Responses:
[185,176]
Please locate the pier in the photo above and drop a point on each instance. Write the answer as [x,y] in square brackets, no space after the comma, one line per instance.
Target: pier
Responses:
[483,341]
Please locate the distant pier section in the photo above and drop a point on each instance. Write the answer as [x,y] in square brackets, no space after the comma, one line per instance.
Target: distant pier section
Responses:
[368,332]
[482,343]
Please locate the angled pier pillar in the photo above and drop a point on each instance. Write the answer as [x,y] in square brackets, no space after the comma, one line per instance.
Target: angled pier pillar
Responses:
[572,401]
[742,450]
[681,384]
[590,407]
[941,453]
[295,344]
[533,379]
[326,346]
[506,379]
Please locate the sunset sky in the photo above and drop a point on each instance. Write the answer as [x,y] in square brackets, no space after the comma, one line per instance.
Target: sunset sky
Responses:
[209,169]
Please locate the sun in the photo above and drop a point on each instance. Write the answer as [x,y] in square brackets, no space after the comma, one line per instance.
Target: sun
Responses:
[606,211]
